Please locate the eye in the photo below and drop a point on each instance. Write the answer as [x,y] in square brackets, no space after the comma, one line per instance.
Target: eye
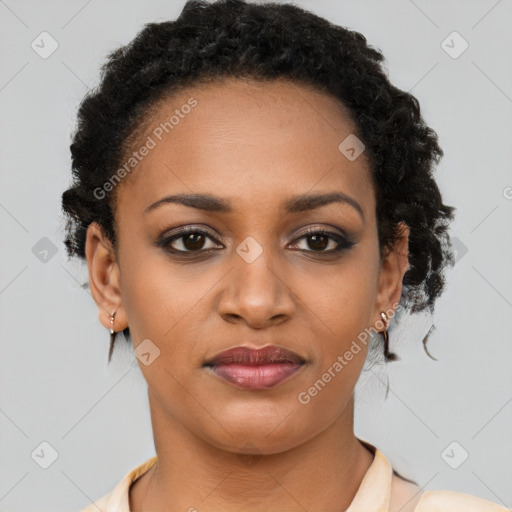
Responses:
[188,239]
[194,240]
[318,240]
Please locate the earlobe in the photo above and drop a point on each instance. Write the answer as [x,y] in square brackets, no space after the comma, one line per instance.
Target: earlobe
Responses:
[104,277]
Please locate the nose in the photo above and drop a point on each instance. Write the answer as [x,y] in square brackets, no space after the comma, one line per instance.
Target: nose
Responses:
[256,294]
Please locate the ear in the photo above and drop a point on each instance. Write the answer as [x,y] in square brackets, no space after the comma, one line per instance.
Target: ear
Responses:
[104,277]
[395,264]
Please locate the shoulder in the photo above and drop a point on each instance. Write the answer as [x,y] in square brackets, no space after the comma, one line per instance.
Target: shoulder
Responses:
[408,497]
[451,501]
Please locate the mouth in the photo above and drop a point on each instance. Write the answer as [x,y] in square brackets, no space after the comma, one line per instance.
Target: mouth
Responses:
[255,369]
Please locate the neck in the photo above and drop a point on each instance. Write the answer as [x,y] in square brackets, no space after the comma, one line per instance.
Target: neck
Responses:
[323,473]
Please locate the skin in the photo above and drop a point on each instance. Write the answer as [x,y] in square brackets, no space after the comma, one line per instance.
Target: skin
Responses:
[255,145]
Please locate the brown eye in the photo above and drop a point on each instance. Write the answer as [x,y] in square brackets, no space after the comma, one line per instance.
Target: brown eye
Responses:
[324,242]
[188,240]
[193,241]
[318,241]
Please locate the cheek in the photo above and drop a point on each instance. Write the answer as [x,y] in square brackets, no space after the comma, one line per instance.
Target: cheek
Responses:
[342,312]
[343,300]
[168,304]
[154,298]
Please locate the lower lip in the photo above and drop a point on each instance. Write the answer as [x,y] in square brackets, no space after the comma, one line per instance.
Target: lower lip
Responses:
[256,376]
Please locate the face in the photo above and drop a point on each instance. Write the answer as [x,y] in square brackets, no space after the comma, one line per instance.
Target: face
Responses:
[260,266]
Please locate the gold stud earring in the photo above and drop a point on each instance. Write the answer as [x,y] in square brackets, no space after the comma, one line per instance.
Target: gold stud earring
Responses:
[112,335]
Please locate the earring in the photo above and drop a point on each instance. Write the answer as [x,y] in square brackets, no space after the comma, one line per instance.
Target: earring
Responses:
[387,354]
[112,335]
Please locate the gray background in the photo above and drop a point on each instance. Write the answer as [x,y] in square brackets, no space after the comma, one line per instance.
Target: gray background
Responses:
[55,383]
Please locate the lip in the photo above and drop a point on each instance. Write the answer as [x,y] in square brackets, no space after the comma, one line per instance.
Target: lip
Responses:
[254,369]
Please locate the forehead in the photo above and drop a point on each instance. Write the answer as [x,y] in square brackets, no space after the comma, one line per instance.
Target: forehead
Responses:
[246,138]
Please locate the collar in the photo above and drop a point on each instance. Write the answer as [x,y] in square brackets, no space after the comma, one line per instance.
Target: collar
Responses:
[375,489]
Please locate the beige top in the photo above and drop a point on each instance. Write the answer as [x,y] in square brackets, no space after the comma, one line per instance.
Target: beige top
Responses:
[380,491]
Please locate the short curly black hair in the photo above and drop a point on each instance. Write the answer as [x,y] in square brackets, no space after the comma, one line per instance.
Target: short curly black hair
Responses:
[235,38]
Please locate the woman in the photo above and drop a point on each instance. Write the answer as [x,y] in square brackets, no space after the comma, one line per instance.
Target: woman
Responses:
[252,197]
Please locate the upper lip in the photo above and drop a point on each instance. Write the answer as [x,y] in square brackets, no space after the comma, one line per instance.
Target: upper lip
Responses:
[269,354]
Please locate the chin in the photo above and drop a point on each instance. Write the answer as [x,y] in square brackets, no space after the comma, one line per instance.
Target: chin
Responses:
[257,433]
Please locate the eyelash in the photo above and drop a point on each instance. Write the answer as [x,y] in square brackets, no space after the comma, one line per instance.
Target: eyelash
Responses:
[344,243]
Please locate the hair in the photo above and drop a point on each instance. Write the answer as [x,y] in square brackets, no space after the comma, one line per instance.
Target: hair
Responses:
[235,38]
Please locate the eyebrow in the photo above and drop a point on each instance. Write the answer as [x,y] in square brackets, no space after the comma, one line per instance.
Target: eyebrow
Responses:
[296,204]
